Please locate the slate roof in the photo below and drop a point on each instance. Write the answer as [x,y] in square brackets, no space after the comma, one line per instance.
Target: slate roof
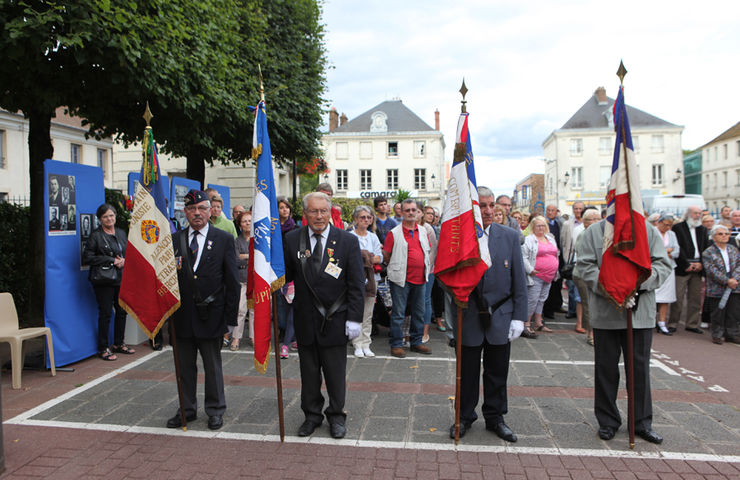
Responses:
[400,119]
[591,115]
[732,132]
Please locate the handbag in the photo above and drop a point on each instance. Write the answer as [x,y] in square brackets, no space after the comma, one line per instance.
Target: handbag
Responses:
[103,275]
[567,271]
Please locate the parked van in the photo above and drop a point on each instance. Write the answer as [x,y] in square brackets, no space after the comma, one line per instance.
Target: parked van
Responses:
[675,204]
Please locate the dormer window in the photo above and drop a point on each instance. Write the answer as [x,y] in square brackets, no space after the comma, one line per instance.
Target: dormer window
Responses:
[378,124]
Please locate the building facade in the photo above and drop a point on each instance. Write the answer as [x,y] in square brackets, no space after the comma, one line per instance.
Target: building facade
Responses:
[69,143]
[529,194]
[385,149]
[721,170]
[578,156]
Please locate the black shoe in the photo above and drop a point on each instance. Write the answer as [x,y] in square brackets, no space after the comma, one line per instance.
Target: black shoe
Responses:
[452,343]
[561,310]
[664,332]
[464,427]
[176,421]
[650,436]
[307,428]
[548,315]
[568,315]
[607,433]
[215,422]
[528,333]
[502,431]
[337,430]
[734,340]
[694,330]
[672,329]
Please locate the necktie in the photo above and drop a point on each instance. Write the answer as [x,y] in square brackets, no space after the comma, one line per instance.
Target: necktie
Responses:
[316,255]
[194,245]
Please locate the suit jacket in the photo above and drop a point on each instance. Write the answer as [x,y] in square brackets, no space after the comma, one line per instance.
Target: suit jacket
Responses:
[687,252]
[506,276]
[216,275]
[602,311]
[351,280]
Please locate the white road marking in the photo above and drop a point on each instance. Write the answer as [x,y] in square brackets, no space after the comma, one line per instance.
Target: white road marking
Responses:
[447,446]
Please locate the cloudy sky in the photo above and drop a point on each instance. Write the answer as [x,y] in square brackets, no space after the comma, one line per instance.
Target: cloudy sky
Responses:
[530,65]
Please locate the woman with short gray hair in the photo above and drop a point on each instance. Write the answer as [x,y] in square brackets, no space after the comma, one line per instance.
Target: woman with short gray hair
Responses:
[721,263]
[666,293]
[372,255]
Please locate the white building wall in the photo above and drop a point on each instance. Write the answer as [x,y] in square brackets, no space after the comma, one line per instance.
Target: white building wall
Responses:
[595,164]
[721,174]
[379,162]
[14,177]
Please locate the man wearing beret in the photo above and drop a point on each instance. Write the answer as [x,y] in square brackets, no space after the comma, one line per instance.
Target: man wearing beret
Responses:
[209,291]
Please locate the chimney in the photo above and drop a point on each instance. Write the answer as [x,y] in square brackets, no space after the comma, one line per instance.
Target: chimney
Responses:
[342,119]
[333,119]
[601,96]
[436,120]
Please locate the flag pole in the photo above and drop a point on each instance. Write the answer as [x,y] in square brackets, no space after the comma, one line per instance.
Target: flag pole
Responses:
[630,354]
[148,118]
[278,373]
[458,334]
[275,332]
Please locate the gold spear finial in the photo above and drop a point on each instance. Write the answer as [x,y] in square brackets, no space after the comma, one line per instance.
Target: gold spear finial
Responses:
[262,87]
[621,73]
[147,115]
[463,90]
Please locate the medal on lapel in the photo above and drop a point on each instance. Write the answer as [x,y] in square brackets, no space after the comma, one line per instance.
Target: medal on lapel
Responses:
[330,252]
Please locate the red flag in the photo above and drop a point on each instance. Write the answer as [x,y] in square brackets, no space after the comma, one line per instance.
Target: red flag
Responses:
[462,254]
[625,261]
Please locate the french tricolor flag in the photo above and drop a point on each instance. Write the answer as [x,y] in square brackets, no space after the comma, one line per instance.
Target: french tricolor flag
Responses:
[625,262]
[462,254]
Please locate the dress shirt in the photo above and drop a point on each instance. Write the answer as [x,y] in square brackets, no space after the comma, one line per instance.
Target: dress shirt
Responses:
[697,253]
[202,233]
[324,239]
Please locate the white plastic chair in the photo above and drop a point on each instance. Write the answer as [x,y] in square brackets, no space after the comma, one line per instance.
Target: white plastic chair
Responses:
[9,332]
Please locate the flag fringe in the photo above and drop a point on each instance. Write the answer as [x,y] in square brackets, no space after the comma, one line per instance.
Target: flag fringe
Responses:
[277,284]
[262,367]
[160,324]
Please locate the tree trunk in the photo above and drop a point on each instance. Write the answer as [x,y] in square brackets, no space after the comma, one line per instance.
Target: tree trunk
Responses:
[39,149]
[196,166]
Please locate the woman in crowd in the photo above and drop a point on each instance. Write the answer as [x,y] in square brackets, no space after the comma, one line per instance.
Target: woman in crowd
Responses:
[372,255]
[105,251]
[524,221]
[583,323]
[666,293]
[707,222]
[285,299]
[540,255]
[499,215]
[244,220]
[426,221]
[721,263]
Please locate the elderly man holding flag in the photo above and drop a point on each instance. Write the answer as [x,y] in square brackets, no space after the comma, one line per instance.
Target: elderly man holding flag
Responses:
[623,261]
[480,262]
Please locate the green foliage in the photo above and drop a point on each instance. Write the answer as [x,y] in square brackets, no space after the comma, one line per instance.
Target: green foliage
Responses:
[15,256]
[348,206]
[402,195]
[308,183]
[118,200]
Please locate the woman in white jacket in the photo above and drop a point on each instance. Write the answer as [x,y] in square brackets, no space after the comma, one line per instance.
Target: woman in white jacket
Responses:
[540,255]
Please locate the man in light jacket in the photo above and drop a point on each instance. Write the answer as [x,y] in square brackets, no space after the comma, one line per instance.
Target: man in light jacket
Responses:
[610,333]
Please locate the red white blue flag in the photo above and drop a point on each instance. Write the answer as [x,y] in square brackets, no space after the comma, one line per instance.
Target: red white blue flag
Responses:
[462,255]
[625,262]
[149,289]
[266,272]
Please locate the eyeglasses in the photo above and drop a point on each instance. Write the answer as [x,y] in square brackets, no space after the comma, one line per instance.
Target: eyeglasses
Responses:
[365,217]
[722,233]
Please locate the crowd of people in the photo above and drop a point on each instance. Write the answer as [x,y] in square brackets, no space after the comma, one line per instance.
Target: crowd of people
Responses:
[346,281]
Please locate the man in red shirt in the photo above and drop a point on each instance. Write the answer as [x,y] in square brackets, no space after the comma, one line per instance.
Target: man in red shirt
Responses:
[407,253]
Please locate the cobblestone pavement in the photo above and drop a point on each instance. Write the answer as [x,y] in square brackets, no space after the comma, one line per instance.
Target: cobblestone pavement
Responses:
[107,419]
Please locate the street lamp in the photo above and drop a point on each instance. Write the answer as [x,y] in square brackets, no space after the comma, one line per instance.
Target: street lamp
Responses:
[567,177]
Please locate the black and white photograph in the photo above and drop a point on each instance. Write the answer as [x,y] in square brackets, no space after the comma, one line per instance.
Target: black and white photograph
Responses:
[62,206]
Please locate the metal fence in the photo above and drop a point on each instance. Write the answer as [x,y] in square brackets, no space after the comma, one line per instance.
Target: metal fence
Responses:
[17,200]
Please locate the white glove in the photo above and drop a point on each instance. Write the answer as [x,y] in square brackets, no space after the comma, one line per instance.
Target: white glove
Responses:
[630,302]
[515,329]
[352,329]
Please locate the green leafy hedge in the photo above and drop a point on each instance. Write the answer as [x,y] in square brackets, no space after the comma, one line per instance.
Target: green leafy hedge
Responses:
[15,256]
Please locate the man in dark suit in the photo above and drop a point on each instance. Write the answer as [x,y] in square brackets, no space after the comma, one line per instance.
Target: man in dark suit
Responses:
[326,265]
[502,292]
[209,293]
[692,241]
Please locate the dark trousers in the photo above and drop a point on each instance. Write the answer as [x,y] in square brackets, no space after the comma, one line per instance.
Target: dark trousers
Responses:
[724,323]
[107,297]
[554,300]
[495,373]
[608,347]
[332,361]
[210,354]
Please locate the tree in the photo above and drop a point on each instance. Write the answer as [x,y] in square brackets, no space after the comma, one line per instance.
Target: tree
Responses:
[103,60]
